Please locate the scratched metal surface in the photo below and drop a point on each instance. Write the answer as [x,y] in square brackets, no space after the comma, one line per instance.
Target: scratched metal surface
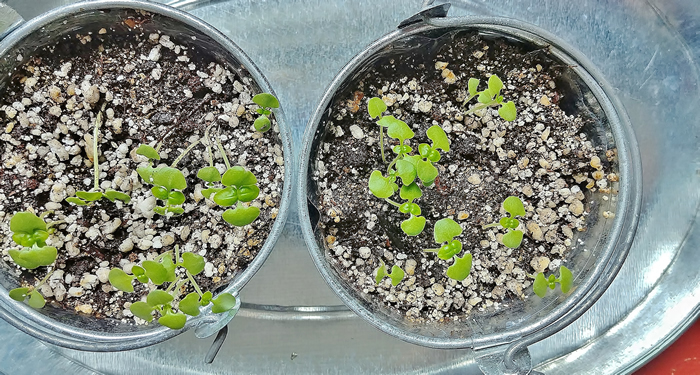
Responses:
[647,49]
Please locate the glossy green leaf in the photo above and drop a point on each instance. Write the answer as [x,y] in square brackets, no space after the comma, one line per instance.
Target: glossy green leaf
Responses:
[209,174]
[160,192]
[508,111]
[155,271]
[190,304]
[459,270]
[380,274]
[148,152]
[248,193]
[375,107]
[413,226]
[194,263]
[76,201]
[89,196]
[241,216]
[396,275]
[540,285]
[495,85]
[402,149]
[396,128]
[513,239]
[176,198]
[206,298]
[207,193]
[158,297]
[224,302]
[142,310]
[266,100]
[406,171]
[176,210]
[427,172]
[424,150]
[439,138]
[113,194]
[508,222]
[169,178]
[19,294]
[447,251]
[226,197]
[410,192]
[238,176]
[379,185]
[160,210]
[473,84]
[36,300]
[173,320]
[121,280]
[34,257]
[566,279]
[146,173]
[514,206]
[446,229]
[262,124]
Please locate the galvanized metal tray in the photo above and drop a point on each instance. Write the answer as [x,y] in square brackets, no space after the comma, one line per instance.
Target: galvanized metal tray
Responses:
[292,323]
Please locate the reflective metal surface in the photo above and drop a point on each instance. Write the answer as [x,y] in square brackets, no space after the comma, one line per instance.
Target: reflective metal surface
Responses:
[648,51]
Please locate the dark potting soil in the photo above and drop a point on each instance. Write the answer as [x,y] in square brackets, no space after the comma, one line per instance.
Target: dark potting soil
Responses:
[153,90]
[548,157]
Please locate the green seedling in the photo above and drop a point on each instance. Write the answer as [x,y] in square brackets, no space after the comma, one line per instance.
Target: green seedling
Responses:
[407,167]
[163,270]
[31,295]
[541,283]
[514,207]
[168,181]
[84,198]
[266,102]
[490,97]
[444,233]
[396,275]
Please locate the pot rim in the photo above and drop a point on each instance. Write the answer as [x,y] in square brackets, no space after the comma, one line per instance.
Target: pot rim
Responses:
[622,229]
[49,330]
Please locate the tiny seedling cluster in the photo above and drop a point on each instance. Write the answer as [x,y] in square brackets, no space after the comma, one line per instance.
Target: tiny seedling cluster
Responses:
[236,186]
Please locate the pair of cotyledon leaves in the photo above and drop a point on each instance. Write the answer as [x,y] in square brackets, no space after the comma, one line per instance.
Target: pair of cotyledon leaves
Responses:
[491,96]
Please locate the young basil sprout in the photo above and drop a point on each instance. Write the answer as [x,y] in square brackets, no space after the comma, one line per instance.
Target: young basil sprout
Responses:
[240,186]
[163,270]
[168,181]
[490,98]
[565,280]
[396,274]
[514,207]
[31,232]
[444,233]
[266,102]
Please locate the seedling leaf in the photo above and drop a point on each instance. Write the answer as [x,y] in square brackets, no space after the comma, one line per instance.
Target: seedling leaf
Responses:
[169,266]
[113,194]
[169,178]
[224,302]
[460,269]
[262,124]
[121,280]
[173,320]
[89,196]
[514,206]
[241,216]
[508,111]
[146,173]
[266,100]
[34,257]
[160,192]
[76,201]
[406,171]
[410,192]
[142,310]
[540,285]
[148,152]
[194,263]
[413,226]
[439,138]
[248,193]
[158,297]
[381,273]
[209,174]
[190,304]
[396,128]
[426,172]
[484,97]
[447,251]
[19,294]
[226,197]
[238,176]
[379,185]
[375,107]
[155,271]
[495,85]
[472,85]
[176,198]
[513,238]
[446,229]
[566,278]
[36,300]
[26,222]
[396,275]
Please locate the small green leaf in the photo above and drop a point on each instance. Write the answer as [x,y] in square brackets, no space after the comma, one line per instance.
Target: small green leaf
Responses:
[472,85]
[207,193]
[509,223]
[495,85]
[209,174]
[158,297]
[155,271]
[36,300]
[226,197]
[160,210]
[194,263]
[169,266]
[248,193]
[173,320]
[266,100]
[439,138]
[113,194]
[262,124]
[485,97]
[567,279]
[413,226]
[206,298]
[19,294]
[224,302]
[540,285]
[514,206]
[76,201]
[447,251]
[396,275]
[381,273]
[176,198]
[508,111]
[190,304]
[176,210]
[238,176]
[26,222]
[427,172]
[410,192]
[148,152]
[146,173]
[460,269]
[406,171]
[446,229]
[169,178]
[34,257]
[89,196]
[160,192]
[424,150]
[375,107]
[396,128]
[379,185]
[241,216]
[513,238]
[142,310]
[121,280]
